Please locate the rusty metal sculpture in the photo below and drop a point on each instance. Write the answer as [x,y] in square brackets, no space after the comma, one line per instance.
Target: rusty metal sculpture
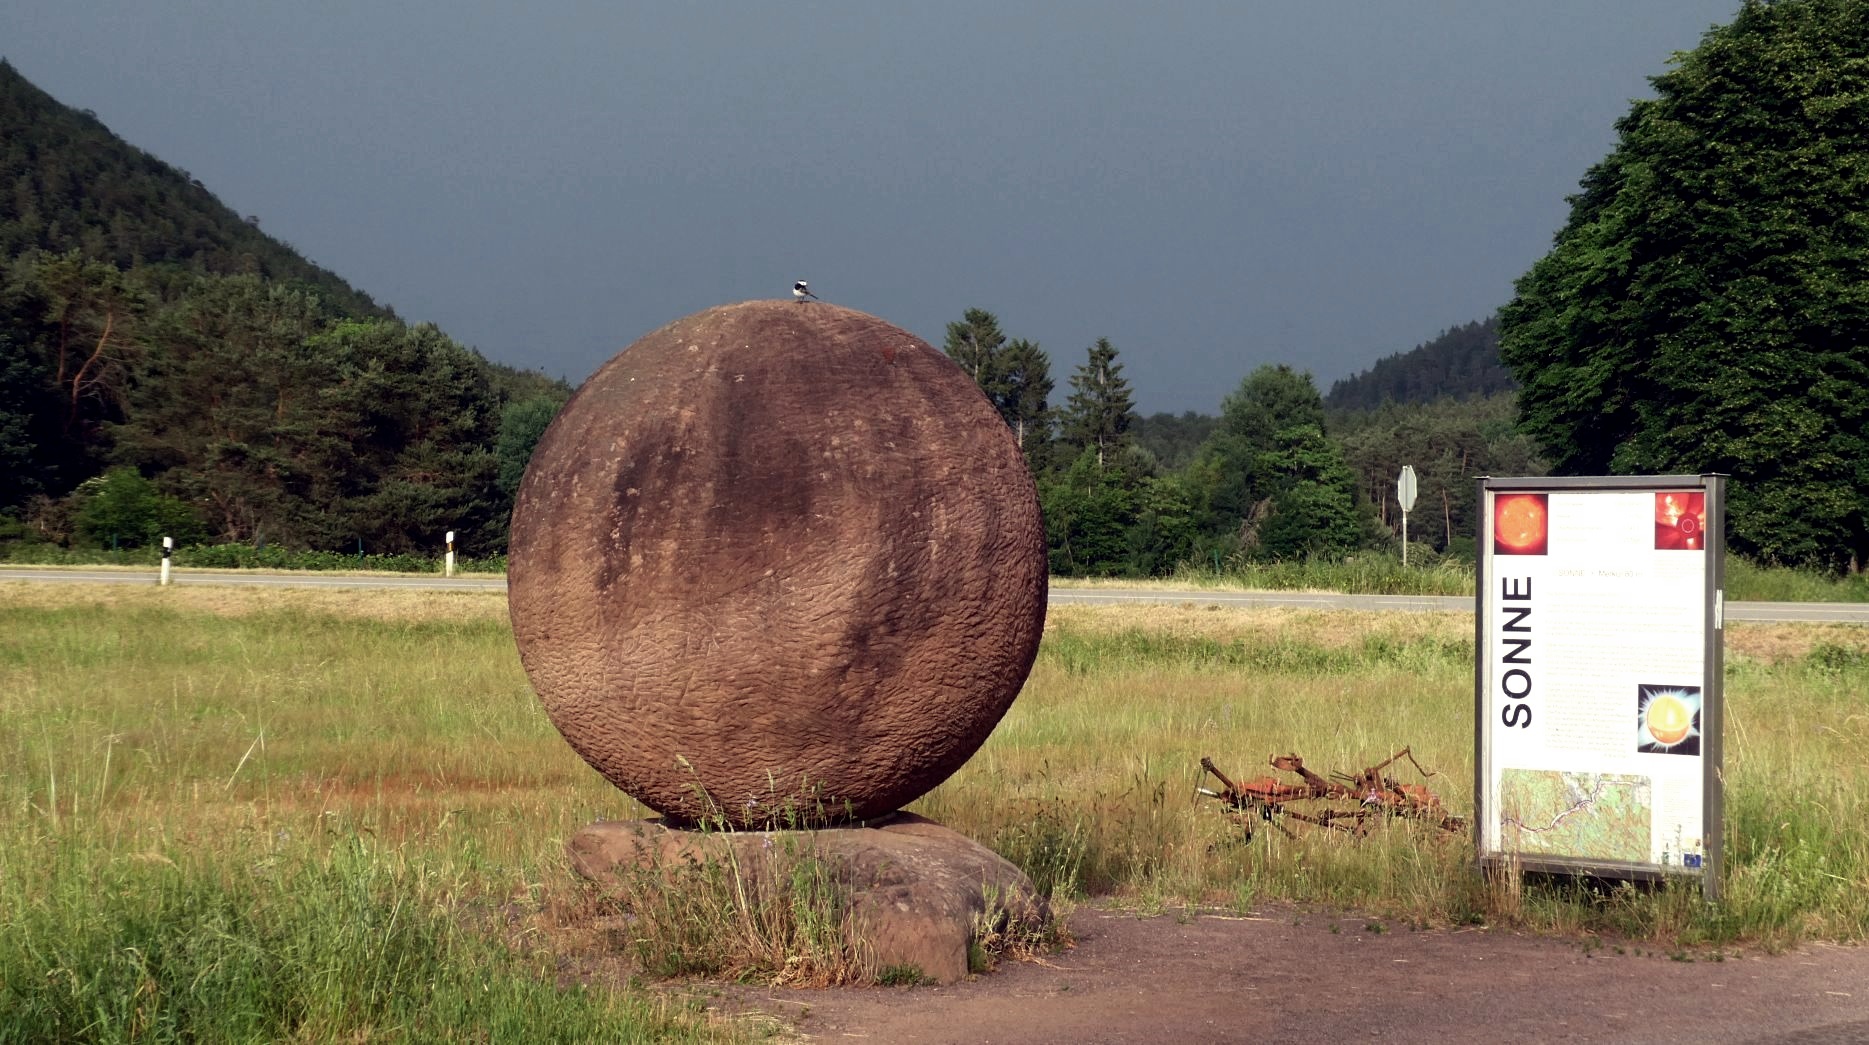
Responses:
[1369,796]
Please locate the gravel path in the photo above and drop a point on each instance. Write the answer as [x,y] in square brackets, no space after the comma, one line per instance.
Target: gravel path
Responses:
[1317,978]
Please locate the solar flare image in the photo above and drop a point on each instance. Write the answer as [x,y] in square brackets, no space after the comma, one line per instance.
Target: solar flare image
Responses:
[1681,520]
[1521,523]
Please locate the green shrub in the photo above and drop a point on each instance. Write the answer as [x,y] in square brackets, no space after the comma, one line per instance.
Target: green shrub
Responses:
[121,508]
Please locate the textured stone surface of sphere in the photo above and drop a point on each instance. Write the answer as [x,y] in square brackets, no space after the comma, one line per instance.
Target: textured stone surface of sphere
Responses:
[777,558]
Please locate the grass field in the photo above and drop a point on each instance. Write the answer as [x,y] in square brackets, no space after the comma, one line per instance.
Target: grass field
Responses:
[241,813]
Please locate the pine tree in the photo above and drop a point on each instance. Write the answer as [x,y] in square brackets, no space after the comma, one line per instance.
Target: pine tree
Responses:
[1027,392]
[1014,376]
[976,343]
[1100,410]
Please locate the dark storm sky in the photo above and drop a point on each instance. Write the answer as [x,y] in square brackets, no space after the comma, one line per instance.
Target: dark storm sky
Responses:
[1210,185]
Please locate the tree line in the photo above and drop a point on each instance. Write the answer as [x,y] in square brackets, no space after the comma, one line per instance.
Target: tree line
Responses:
[1265,480]
[157,401]
[153,402]
[1462,361]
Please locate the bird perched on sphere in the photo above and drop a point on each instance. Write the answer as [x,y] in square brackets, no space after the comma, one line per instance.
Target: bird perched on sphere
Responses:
[800,292]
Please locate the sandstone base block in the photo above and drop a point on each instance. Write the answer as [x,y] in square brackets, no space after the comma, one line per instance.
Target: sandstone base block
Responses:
[918,893]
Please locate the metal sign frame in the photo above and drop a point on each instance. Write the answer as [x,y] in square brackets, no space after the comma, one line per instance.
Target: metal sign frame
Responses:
[1587,602]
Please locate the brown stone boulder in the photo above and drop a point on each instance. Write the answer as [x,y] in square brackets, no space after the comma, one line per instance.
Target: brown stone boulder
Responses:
[918,893]
[778,563]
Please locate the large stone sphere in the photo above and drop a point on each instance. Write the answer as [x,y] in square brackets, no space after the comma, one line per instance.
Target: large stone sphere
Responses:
[777,562]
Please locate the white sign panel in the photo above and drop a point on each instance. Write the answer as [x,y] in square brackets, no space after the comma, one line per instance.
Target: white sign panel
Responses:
[1597,704]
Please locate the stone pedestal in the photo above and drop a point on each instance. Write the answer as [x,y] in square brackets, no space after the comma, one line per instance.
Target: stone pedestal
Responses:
[918,892]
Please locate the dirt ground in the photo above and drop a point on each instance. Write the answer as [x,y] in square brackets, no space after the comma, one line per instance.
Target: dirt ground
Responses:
[1295,977]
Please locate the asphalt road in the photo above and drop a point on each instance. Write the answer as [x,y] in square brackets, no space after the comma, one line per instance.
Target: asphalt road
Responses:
[1823,612]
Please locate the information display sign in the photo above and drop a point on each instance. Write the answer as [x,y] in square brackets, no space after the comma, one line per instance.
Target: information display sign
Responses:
[1597,676]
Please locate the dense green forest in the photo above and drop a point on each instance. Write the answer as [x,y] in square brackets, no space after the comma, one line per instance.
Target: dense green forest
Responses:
[1463,362]
[72,185]
[168,369]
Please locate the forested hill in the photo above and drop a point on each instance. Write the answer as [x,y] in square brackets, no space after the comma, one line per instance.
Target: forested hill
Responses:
[1462,363]
[70,184]
[167,369]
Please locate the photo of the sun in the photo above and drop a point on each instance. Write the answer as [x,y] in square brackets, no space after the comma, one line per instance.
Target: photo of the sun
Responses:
[1521,523]
[1681,521]
[1667,720]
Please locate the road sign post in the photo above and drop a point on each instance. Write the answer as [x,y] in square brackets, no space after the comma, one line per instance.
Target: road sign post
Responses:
[449,571]
[1405,494]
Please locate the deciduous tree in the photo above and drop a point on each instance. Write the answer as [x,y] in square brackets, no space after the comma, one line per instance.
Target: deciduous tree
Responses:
[1706,306]
[121,508]
[1088,511]
[1275,484]
[522,424]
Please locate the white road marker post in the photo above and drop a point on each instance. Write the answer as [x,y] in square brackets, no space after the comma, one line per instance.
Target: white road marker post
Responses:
[449,571]
[1405,494]
[168,546]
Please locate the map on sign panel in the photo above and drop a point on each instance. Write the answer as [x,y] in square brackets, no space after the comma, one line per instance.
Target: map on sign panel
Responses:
[1596,816]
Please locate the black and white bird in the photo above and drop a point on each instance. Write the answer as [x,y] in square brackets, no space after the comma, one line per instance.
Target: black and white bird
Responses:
[800,292]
